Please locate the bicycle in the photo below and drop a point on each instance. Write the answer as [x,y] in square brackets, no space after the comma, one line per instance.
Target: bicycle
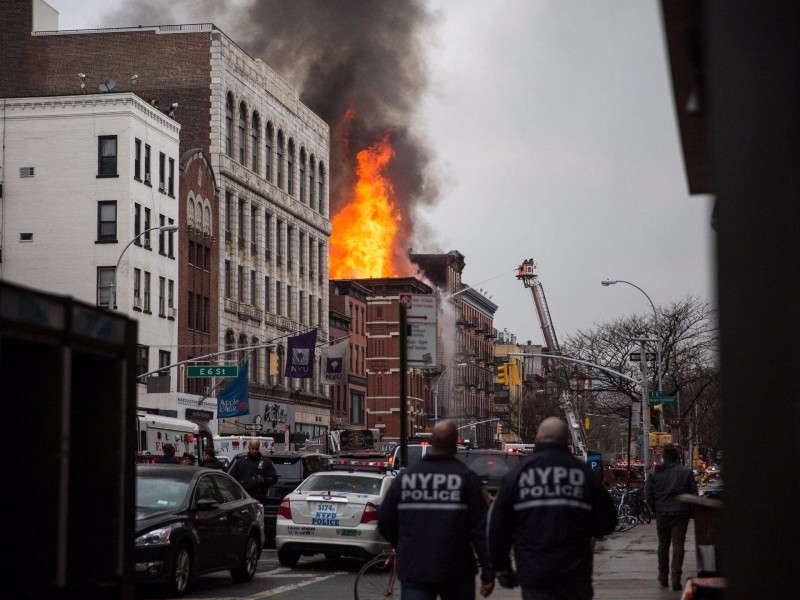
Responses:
[377,579]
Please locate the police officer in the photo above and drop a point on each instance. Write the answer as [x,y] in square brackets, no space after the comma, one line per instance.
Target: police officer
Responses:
[435,517]
[254,471]
[550,507]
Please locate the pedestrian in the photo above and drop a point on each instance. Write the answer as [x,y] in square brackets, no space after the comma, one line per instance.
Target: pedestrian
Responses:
[665,482]
[435,517]
[168,458]
[254,471]
[189,459]
[210,460]
[549,508]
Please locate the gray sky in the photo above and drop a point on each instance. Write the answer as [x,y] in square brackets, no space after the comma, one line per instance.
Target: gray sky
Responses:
[554,135]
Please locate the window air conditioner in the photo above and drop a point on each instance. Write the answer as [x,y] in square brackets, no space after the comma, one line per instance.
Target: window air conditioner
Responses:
[137,303]
[147,177]
[173,312]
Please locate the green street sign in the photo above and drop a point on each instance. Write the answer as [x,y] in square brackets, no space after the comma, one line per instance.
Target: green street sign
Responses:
[216,371]
[661,397]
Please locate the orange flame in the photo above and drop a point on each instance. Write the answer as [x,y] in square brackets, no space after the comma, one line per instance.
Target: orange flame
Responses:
[364,230]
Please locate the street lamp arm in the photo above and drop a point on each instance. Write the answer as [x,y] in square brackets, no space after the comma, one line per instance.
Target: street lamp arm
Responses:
[576,360]
[202,358]
[128,245]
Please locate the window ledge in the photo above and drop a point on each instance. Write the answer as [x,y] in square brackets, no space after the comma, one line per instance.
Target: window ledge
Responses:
[139,179]
[109,176]
[148,184]
[171,195]
[137,309]
[147,312]
[170,318]
[106,241]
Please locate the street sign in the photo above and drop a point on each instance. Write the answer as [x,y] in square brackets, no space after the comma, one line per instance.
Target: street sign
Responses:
[661,397]
[637,356]
[215,371]
[421,334]
[673,421]
[253,426]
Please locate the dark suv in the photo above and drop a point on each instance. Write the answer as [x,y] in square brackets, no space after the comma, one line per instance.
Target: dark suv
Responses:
[292,468]
[490,465]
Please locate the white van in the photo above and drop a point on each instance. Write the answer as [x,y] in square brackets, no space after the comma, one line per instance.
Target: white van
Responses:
[153,431]
[228,446]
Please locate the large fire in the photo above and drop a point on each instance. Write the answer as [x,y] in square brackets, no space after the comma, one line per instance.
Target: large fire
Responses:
[364,230]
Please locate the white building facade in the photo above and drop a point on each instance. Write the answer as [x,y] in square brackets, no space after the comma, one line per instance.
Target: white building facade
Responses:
[83,178]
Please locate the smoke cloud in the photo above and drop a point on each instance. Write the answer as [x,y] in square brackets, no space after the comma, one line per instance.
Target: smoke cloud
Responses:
[342,55]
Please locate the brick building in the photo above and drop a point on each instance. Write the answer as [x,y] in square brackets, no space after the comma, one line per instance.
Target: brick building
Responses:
[270,156]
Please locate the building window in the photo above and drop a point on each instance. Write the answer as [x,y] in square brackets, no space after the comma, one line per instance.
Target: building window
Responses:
[198,302]
[171,180]
[207,259]
[311,309]
[142,360]
[146,228]
[105,284]
[267,237]
[107,221]
[162,300]
[171,294]
[229,125]
[253,217]
[207,313]
[240,282]
[267,303]
[107,156]
[240,221]
[280,160]
[227,279]
[289,312]
[164,361]
[290,168]
[356,408]
[137,159]
[146,292]
[252,288]
[190,310]
[162,220]
[278,298]
[289,246]
[321,188]
[137,223]
[228,214]
[242,133]
[268,154]
[147,164]
[162,168]
[279,241]
[311,183]
[190,253]
[255,143]
[171,240]
[302,167]
[137,287]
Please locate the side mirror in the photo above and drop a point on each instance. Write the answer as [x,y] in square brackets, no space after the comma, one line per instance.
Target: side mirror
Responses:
[206,504]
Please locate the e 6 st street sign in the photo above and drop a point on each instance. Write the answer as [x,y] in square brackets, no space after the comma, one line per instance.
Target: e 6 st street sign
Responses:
[216,371]
[637,356]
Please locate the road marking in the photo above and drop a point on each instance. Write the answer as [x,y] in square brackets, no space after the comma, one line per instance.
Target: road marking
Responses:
[290,587]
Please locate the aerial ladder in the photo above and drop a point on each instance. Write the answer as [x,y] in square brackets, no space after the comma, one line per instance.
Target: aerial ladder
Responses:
[527,274]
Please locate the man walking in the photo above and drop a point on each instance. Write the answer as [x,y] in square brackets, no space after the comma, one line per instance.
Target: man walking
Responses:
[254,471]
[210,460]
[168,458]
[549,507]
[435,517]
[664,483]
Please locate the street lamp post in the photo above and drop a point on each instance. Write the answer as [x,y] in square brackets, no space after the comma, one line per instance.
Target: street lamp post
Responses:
[173,227]
[436,393]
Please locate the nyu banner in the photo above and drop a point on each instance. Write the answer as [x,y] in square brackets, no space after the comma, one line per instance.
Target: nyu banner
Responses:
[300,359]
[334,362]
[234,400]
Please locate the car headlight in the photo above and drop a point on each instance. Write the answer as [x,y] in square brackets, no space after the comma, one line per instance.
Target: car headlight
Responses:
[157,537]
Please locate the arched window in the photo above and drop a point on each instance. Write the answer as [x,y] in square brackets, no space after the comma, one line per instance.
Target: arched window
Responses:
[255,373]
[268,153]
[207,220]
[242,135]
[230,340]
[198,216]
[242,345]
[190,213]
[321,190]
[229,124]
[290,168]
[279,165]
[302,177]
[255,144]
[311,182]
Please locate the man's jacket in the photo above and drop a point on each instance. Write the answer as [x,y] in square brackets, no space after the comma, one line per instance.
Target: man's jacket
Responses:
[550,507]
[246,467]
[435,517]
[664,483]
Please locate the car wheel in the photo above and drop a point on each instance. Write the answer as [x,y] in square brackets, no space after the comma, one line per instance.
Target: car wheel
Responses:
[181,571]
[288,557]
[247,570]
[333,555]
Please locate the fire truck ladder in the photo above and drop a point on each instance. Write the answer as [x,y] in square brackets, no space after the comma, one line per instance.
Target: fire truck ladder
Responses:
[527,273]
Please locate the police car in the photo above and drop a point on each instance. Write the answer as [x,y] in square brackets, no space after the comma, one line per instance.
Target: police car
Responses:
[334,513]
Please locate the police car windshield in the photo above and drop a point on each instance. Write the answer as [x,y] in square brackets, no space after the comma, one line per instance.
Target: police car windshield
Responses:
[332,482]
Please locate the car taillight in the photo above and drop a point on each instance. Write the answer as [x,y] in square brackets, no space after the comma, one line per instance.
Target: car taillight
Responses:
[285,509]
[370,513]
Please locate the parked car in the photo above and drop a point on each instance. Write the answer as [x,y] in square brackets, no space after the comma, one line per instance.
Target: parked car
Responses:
[191,521]
[620,476]
[334,513]
[711,489]
[292,468]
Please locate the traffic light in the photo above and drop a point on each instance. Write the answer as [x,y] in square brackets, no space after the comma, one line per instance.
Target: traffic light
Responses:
[513,370]
[502,374]
[653,439]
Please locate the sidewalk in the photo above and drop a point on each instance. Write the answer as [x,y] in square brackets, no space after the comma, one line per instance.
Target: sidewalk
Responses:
[626,567]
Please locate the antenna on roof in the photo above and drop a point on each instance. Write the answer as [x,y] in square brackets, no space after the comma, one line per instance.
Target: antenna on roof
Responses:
[108,85]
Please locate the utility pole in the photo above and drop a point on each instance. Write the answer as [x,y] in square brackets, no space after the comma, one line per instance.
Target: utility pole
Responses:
[645,403]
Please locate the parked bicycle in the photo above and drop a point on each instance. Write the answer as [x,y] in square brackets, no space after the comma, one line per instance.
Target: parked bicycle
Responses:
[625,518]
[377,579]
